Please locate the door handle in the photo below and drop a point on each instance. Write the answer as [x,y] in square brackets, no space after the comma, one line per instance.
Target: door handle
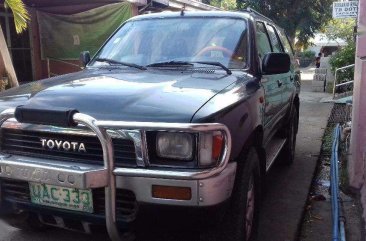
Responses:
[291,78]
[279,83]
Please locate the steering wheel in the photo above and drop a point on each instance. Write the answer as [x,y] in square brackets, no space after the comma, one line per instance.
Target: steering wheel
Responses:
[225,51]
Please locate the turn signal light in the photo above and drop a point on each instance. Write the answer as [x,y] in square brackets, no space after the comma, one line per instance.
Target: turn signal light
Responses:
[217,144]
[170,192]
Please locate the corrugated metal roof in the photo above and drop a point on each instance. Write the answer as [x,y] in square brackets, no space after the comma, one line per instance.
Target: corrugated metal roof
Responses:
[53,3]
[190,4]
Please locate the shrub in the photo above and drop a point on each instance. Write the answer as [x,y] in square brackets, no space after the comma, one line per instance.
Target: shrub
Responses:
[344,57]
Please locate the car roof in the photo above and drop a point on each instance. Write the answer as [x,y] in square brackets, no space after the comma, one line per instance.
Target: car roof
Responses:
[244,14]
[169,14]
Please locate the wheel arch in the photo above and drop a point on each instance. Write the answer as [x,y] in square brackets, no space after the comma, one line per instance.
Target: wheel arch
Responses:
[255,140]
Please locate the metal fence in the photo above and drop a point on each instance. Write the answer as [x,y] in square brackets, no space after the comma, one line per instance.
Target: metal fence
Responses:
[345,87]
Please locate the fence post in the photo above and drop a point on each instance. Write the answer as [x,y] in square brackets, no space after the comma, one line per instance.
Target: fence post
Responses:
[335,83]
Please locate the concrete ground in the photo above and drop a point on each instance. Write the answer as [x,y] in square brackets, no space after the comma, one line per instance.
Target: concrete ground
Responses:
[308,73]
[287,187]
[317,224]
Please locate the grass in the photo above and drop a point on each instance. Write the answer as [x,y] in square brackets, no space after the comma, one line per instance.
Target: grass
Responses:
[327,149]
[327,140]
[343,171]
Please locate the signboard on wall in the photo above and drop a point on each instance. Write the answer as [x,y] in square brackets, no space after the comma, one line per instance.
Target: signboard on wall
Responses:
[347,9]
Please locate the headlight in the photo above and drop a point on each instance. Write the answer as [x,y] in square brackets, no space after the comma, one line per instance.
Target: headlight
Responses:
[174,145]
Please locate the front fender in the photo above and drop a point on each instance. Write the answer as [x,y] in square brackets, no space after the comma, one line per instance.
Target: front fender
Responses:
[239,108]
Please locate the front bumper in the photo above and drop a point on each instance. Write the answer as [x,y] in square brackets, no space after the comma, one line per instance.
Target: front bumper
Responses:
[205,192]
[209,187]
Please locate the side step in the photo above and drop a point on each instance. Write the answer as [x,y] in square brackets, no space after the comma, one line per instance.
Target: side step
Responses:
[273,149]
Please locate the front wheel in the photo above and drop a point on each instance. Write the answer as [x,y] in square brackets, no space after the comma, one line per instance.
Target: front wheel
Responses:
[241,220]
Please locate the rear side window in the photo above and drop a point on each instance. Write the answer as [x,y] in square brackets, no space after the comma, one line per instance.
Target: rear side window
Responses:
[263,45]
[276,44]
[285,42]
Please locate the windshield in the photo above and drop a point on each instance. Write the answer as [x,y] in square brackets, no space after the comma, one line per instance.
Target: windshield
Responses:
[151,41]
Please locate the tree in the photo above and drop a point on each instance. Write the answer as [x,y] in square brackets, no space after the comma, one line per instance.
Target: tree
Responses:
[300,18]
[340,29]
[20,20]
[20,14]
[344,57]
[224,4]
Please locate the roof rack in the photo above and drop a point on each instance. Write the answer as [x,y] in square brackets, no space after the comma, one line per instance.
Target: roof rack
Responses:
[257,13]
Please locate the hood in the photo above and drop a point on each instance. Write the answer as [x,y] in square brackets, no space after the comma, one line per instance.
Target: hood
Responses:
[120,94]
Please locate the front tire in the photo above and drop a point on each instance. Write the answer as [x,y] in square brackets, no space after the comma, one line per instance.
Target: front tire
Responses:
[241,220]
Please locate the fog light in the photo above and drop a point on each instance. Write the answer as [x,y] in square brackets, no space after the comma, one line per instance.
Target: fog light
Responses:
[170,192]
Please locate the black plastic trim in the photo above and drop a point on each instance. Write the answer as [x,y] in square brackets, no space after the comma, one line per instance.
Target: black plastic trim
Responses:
[55,116]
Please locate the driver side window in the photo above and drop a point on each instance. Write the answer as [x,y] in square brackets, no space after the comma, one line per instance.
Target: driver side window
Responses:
[263,44]
[276,44]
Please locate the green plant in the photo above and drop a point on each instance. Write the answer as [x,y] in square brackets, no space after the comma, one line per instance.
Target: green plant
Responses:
[300,19]
[224,4]
[340,29]
[344,57]
[20,14]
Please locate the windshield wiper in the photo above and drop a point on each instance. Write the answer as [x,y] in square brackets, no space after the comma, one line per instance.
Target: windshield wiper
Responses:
[175,63]
[112,61]
[170,63]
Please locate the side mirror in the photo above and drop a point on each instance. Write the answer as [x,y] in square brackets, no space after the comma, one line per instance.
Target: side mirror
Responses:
[84,58]
[276,63]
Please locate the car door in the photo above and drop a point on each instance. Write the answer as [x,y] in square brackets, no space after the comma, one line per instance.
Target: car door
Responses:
[272,87]
[290,84]
[282,79]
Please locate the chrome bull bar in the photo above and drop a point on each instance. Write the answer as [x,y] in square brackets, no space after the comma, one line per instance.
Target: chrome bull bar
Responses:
[110,172]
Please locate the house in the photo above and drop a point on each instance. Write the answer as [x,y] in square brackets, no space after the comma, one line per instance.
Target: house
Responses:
[321,44]
[328,47]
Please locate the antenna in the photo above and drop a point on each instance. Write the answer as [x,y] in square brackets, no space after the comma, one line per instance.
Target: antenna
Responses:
[183,9]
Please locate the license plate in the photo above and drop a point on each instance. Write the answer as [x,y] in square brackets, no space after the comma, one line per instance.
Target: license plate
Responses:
[61,197]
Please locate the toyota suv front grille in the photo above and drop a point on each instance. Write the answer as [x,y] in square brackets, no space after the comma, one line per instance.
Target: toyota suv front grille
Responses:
[66,147]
